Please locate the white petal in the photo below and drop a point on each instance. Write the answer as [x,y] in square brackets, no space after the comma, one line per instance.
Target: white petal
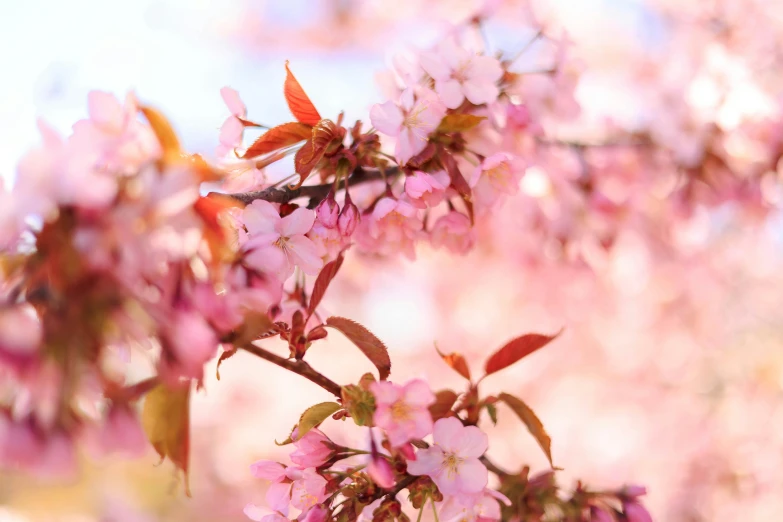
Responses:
[387,118]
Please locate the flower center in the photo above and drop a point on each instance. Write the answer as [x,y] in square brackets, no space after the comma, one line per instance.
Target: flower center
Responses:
[401,411]
[451,462]
[499,175]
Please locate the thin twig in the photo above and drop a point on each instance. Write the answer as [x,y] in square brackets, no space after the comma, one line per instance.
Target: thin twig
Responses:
[316,193]
[298,367]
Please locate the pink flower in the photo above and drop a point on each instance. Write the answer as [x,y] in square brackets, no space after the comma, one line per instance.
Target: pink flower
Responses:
[474,507]
[454,232]
[426,190]
[600,515]
[635,512]
[402,411]
[460,74]
[380,470]
[121,432]
[315,514]
[453,460]
[393,226]
[312,450]
[274,244]
[232,128]
[497,175]
[411,121]
[328,241]
[302,489]
[260,514]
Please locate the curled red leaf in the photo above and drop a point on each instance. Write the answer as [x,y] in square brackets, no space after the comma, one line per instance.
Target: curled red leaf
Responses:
[278,137]
[325,277]
[456,361]
[531,421]
[298,102]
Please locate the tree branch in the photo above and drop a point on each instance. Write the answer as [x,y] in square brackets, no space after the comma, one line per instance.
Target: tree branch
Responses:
[298,367]
[494,468]
[316,193]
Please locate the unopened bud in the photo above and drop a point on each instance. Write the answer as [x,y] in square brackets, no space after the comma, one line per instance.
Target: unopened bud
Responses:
[328,211]
[349,218]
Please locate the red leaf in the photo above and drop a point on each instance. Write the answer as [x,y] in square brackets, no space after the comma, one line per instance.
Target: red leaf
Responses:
[301,106]
[456,361]
[322,283]
[515,350]
[457,180]
[444,401]
[311,152]
[371,346]
[169,143]
[279,137]
[533,423]
[223,356]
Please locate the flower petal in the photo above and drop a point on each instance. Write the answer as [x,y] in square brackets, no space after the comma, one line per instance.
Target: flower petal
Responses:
[427,461]
[268,469]
[300,221]
[387,118]
[446,433]
[304,254]
[480,91]
[471,476]
[260,217]
[233,102]
[450,92]
[472,442]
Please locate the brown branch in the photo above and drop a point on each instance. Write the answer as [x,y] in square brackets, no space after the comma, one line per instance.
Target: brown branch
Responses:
[494,468]
[298,367]
[316,193]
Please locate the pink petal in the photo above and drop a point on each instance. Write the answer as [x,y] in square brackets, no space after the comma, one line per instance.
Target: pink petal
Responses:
[471,476]
[635,512]
[384,391]
[271,260]
[450,92]
[472,442]
[453,54]
[485,68]
[407,99]
[417,392]
[105,109]
[422,424]
[387,118]
[446,433]
[260,217]
[233,102]
[480,91]
[254,512]
[278,496]
[408,145]
[427,461]
[231,132]
[300,221]
[434,65]
[268,469]
[304,254]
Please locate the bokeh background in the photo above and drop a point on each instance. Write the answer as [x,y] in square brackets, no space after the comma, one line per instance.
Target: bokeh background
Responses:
[670,369]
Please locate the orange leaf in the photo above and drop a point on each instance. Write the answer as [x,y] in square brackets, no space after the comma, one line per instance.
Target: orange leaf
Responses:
[533,423]
[322,283]
[371,346]
[456,361]
[444,401]
[459,122]
[299,103]
[279,137]
[311,152]
[515,350]
[169,143]
[165,418]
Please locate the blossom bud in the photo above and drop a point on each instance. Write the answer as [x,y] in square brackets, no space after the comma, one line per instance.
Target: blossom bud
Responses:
[635,512]
[381,471]
[327,211]
[349,217]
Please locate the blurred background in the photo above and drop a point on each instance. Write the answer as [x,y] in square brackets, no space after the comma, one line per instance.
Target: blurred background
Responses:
[670,369]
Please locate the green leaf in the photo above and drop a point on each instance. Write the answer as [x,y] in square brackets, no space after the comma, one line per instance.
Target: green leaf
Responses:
[359,403]
[165,418]
[459,122]
[515,350]
[372,347]
[529,418]
[315,415]
[493,413]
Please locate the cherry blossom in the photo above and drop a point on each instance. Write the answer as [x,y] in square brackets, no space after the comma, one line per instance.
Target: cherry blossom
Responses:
[460,74]
[454,232]
[232,128]
[278,244]
[453,459]
[312,450]
[475,507]
[411,121]
[401,411]
[498,175]
[392,227]
[426,190]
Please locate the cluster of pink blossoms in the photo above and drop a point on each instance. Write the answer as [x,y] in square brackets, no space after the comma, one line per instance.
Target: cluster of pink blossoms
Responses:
[333,482]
